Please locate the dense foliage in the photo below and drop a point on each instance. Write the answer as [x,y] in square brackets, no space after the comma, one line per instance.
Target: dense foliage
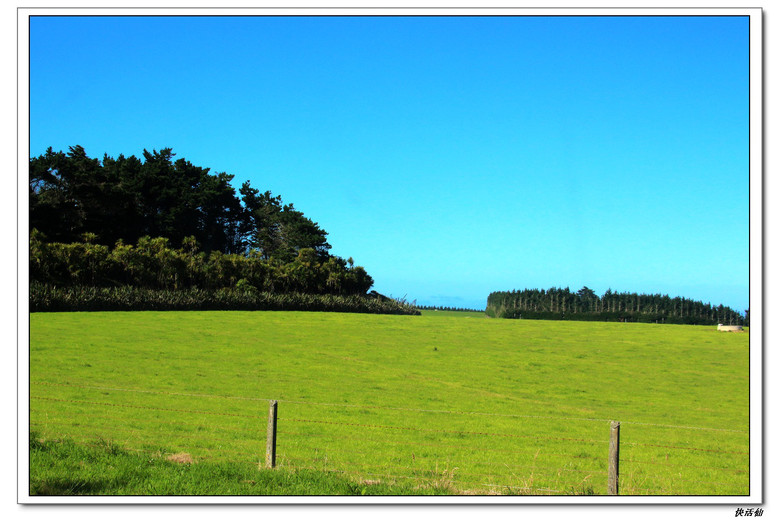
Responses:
[126,198]
[154,264]
[92,223]
[49,298]
[586,305]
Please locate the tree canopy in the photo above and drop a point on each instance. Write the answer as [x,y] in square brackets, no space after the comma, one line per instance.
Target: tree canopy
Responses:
[127,198]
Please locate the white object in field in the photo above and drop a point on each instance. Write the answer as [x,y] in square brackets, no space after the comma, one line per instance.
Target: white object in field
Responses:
[729,328]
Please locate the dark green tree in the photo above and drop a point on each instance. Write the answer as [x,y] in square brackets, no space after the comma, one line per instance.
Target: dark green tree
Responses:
[279,230]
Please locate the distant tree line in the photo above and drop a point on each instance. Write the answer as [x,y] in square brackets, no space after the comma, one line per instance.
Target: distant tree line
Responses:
[585,305]
[440,308]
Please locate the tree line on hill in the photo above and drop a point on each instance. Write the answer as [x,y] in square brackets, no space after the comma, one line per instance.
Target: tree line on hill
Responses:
[156,226]
[441,308]
[585,305]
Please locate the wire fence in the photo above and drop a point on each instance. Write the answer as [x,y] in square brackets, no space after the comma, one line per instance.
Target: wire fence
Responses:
[459,451]
[368,407]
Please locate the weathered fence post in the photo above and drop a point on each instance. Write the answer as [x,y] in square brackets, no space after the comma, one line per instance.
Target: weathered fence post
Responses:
[614,458]
[270,438]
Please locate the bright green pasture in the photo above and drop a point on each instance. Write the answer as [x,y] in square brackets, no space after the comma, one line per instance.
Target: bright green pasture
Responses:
[478,405]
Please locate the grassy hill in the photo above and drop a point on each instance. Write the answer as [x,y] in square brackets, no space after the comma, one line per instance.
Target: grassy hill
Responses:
[421,402]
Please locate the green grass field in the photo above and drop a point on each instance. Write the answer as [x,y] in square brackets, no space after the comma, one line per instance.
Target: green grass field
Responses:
[64,467]
[425,402]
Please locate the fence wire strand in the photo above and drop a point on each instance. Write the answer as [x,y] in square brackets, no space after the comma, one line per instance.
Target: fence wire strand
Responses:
[633,461]
[659,478]
[446,466]
[142,391]
[156,421]
[138,433]
[682,448]
[146,407]
[409,428]
[341,455]
[429,444]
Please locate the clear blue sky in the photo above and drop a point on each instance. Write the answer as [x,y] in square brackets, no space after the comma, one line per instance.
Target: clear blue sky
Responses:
[449,156]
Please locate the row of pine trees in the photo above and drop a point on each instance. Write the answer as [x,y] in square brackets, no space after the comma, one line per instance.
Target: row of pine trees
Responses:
[585,305]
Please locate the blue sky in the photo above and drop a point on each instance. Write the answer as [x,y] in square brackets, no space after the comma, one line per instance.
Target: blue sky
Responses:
[450,156]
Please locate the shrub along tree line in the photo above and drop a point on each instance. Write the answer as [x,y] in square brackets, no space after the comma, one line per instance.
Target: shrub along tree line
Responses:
[586,305]
[51,298]
[153,264]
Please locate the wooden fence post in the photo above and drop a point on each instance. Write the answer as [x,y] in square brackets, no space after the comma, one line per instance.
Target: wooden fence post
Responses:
[270,438]
[614,458]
